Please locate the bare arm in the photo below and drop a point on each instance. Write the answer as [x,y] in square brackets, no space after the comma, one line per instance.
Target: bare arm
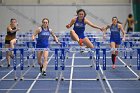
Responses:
[91,24]
[122,30]
[105,30]
[12,31]
[54,36]
[71,23]
[35,33]
[125,24]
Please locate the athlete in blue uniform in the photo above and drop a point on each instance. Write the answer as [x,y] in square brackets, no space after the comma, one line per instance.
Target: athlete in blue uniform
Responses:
[43,33]
[77,34]
[115,38]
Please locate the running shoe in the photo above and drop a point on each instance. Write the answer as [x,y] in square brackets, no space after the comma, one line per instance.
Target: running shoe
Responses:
[113,66]
[80,42]
[43,73]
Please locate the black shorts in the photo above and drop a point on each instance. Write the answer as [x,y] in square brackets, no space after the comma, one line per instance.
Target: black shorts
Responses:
[129,29]
[7,41]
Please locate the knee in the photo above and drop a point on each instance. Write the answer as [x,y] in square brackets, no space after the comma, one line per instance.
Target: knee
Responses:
[11,42]
[92,46]
[72,31]
[45,60]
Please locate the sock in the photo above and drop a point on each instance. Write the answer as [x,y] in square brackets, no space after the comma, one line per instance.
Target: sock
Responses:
[113,58]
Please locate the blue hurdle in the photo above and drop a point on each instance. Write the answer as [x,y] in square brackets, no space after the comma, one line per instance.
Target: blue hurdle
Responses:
[104,58]
[15,60]
[30,45]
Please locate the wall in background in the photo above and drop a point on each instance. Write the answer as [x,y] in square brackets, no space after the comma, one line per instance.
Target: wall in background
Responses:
[136,10]
[29,17]
[65,2]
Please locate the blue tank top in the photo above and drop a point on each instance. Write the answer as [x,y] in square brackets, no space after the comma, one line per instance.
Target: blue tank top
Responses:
[79,26]
[115,32]
[43,36]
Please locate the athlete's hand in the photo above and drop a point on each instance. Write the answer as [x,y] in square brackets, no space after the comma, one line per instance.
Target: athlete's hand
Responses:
[33,38]
[58,43]
[68,26]
[123,39]
[102,29]
[18,29]
[104,36]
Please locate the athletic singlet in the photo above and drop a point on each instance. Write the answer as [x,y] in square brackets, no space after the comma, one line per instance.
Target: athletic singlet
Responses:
[79,28]
[115,34]
[43,36]
[10,35]
[130,22]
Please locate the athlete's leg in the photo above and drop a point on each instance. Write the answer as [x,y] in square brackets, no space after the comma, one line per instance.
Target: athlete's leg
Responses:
[45,64]
[116,46]
[88,43]
[39,58]
[8,54]
[113,56]
[74,36]
[12,43]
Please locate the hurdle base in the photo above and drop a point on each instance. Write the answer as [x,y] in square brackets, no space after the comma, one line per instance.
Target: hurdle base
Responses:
[104,79]
[15,78]
[33,65]
[1,65]
[56,78]
[97,79]
[130,65]
[67,57]
[22,78]
[62,78]
[125,66]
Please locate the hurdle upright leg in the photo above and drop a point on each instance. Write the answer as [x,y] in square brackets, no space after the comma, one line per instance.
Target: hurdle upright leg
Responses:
[125,53]
[138,62]
[131,54]
[15,64]
[28,54]
[0,55]
[97,63]
[104,63]
[91,57]
[21,63]
[33,44]
[62,63]
[56,63]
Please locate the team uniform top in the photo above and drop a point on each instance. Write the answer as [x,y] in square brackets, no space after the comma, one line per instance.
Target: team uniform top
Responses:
[115,34]
[43,38]
[130,22]
[79,28]
[10,36]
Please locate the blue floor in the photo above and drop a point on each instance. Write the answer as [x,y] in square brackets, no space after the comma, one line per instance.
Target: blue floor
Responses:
[79,78]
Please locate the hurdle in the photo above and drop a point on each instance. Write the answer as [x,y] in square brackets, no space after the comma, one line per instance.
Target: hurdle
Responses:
[14,59]
[119,49]
[0,54]
[31,45]
[63,59]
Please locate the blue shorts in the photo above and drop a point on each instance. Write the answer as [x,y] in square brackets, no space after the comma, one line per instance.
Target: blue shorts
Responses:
[80,35]
[118,42]
[42,46]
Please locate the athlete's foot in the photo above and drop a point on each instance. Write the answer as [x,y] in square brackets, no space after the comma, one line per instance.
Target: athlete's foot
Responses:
[12,56]
[80,42]
[113,66]
[41,68]
[8,65]
[115,59]
[43,73]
